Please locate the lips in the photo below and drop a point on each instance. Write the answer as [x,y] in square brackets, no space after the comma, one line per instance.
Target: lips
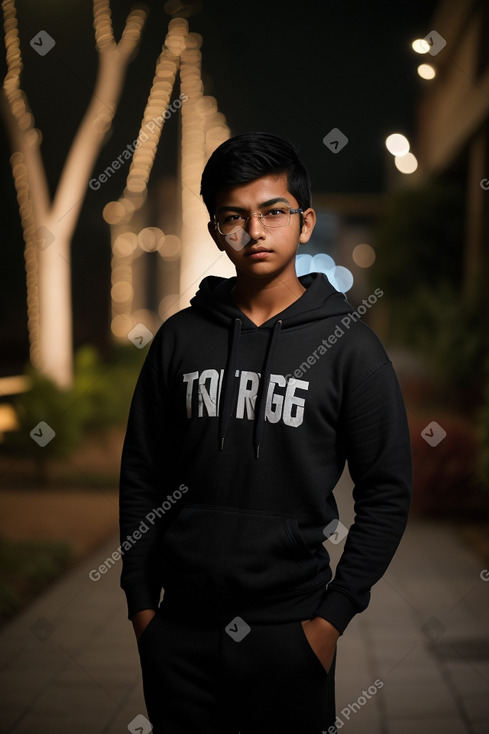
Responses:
[257,250]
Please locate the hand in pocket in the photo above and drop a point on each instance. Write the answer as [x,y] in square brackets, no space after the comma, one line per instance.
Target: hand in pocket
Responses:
[141,620]
[322,637]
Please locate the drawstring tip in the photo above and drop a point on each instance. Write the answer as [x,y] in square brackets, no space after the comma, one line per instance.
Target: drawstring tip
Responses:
[257,451]
[222,443]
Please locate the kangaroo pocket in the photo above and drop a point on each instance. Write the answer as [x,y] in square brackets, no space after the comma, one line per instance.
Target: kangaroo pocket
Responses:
[234,551]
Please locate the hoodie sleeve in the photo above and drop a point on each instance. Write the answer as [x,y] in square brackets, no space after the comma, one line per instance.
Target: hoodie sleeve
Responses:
[140,488]
[375,437]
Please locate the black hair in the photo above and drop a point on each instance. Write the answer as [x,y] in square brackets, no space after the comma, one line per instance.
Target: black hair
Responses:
[248,156]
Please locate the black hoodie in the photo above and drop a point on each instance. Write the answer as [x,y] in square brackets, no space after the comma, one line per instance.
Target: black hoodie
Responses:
[237,436]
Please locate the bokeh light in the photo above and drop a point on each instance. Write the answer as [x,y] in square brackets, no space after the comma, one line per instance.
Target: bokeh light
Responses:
[420,46]
[340,277]
[406,163]
[426,71]
[114,212]
[397,144]
[363,255]
[121,325]
[171,248]
[303,264]
[125,244]
[322,263]
[122,291]
[150,239]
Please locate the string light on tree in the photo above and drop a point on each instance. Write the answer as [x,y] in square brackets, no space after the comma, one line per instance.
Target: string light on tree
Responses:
[203,128]
[48,222]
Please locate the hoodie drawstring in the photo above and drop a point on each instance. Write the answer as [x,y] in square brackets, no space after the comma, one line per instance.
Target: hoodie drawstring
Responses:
[229,386]
[260,403]
[226,402]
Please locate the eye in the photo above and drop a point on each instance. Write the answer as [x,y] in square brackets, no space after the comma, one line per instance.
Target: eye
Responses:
[231,218]
[273,213]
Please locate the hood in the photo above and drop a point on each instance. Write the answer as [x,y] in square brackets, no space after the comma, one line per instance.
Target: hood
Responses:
[319,301]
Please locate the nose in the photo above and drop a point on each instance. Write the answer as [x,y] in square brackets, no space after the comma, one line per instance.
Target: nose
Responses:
[255,228]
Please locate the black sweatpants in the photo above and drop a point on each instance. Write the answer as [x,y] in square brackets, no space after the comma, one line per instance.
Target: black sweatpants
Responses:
[235,679]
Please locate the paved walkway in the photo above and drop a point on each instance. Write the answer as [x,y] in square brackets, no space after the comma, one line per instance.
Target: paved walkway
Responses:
[416,661]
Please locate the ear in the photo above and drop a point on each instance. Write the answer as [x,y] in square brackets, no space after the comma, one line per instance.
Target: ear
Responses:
[308,224]
[215,235]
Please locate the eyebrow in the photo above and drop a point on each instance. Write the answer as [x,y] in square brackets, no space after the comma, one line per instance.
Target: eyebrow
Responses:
[260,206]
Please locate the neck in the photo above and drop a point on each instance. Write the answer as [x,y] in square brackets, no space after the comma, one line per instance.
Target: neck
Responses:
[266,296]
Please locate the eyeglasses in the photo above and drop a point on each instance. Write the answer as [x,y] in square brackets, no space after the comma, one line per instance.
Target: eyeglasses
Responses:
[269,219]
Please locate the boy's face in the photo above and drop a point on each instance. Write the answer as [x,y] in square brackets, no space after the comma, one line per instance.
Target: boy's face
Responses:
[269,196]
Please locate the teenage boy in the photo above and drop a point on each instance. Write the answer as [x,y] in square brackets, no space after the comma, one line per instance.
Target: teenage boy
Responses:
[247,407]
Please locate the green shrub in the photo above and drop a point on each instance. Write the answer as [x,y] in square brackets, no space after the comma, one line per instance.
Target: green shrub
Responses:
[419,245]
[419,265]
[450,332]
[45,402]
[99,398]
[106,387]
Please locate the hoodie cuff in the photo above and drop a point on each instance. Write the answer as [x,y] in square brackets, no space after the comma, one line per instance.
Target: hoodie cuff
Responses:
[338,609]
[139,598]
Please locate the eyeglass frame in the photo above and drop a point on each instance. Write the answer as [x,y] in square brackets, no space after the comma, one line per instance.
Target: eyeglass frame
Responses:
[260,217]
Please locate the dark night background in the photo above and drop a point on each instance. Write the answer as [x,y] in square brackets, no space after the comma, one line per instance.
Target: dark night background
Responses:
[297,69]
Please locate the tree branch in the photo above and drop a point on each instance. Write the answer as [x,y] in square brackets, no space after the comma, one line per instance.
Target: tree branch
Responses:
[113,61]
